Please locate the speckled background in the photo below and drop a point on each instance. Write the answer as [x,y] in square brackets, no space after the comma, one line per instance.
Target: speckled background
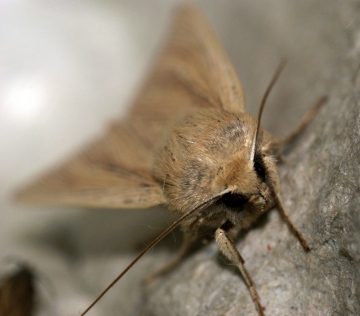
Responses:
[69,68]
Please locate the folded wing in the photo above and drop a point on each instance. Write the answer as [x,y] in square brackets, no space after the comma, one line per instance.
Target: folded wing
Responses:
[116,171]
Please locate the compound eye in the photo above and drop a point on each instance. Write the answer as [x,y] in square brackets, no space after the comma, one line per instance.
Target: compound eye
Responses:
[234,200]
[259,167]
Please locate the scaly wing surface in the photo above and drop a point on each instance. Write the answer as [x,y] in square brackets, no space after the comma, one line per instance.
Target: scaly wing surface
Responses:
[192,72]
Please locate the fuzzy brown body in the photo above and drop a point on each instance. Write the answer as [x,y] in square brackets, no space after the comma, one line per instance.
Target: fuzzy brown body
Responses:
[208,153]
[188,143]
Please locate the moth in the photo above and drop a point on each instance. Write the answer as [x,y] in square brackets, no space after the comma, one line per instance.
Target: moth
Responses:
[187,143]
[17,293]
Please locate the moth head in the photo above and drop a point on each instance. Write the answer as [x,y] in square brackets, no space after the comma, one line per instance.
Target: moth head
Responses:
[248,193]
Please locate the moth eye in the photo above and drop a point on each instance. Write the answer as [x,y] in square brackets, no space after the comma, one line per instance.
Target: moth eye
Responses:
[259,167]
[234,200]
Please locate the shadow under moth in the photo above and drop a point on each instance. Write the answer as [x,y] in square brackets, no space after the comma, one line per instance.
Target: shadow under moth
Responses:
[187,143]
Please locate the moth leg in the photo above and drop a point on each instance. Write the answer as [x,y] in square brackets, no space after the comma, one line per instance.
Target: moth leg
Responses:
[228,249]
[286,218]
[189,238]
[305,121]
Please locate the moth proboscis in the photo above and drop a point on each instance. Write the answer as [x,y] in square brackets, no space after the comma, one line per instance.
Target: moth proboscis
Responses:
[187,143]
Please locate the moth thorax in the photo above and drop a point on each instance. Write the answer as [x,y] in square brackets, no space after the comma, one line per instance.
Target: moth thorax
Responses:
[205,154]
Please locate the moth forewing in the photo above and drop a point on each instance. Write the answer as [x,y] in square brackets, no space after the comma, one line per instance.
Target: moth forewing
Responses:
[192,72]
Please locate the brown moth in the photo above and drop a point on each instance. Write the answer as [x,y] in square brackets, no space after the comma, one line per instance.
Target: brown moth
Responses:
[17,293]
[187,143]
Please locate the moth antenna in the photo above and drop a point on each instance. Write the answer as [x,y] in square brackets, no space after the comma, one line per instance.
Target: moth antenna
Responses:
[262,105]
[152,244]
